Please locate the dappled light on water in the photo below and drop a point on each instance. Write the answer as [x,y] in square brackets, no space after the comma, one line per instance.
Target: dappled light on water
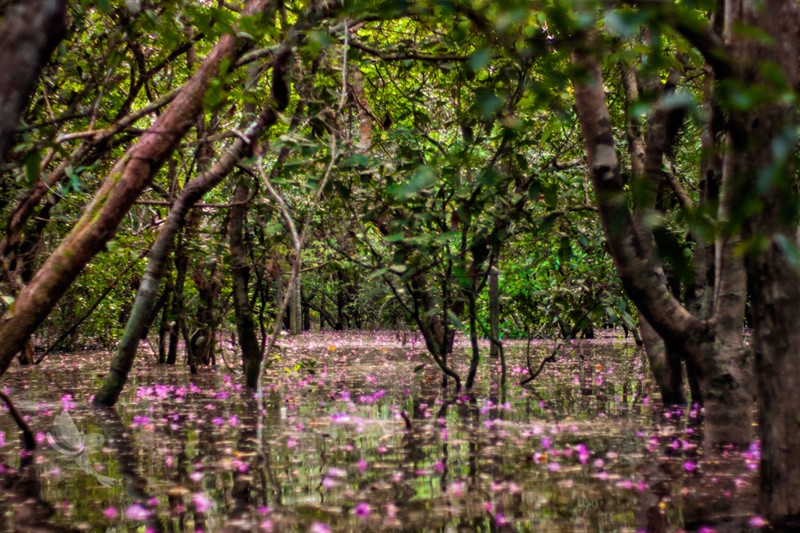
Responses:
[356,436]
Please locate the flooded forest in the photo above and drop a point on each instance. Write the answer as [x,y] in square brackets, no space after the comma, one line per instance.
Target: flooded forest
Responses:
[398,265]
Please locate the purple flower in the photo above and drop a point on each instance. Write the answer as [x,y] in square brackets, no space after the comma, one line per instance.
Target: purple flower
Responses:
[137,512]
[201,502]
[362,510]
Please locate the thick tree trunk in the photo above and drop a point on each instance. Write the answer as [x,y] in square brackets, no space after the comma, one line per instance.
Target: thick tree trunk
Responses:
[132,173]
[161,249]
[728,419]
[774,282]
[30,32]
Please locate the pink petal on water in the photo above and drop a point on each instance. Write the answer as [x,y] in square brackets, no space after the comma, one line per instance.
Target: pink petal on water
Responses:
[362,510]
[201,502]
[137,512]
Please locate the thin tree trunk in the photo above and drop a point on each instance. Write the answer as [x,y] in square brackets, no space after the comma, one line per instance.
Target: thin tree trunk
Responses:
[494,311]
[240,272]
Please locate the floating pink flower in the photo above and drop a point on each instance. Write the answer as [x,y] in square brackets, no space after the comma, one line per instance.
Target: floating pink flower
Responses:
[320,527]
[110,512]
[757,521]
[137,512]
[201,502]
[362,510]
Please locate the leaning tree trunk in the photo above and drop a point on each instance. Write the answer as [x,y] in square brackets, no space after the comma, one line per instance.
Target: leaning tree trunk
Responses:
[728,418]
[162,247]
[127,179]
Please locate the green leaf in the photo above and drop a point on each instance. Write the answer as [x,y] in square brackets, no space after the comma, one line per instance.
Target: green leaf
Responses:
[488,103]
[395,237]
[454,319]
[32,162]
[423,177]
[355,161]
[479,59]
[626,22]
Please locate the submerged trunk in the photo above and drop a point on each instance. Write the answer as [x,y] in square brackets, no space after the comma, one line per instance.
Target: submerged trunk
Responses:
[765,173]
[494,311]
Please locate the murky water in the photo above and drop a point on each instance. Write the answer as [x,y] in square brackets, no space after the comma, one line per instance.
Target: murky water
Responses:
[586,449]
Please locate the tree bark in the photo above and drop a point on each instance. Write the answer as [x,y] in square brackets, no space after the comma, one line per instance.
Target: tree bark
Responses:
[494,311]
[728,418]
[127,179]
[774,282]
[30,32]
[240,272]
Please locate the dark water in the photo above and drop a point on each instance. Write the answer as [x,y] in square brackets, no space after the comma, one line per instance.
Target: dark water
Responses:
[587,449]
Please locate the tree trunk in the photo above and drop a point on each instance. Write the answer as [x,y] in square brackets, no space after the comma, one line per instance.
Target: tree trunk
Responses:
[728,418]
[296,309]
[494,311]
[761,172]
[128,178]
[240,272]
[30,32]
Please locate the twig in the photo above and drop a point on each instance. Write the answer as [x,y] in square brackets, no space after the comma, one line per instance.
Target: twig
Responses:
[27,435]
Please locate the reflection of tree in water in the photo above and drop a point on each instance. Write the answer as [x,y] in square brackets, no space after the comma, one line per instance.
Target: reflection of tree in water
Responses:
[253,486]
[121,442]
[21,502]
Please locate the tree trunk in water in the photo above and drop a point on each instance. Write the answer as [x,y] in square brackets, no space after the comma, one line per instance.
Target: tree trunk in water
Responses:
[240,272]
[728,420]
[162,247]
[494,310]
[128,178]
[179,299]
[295,309]
[755,136]
[667,371]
